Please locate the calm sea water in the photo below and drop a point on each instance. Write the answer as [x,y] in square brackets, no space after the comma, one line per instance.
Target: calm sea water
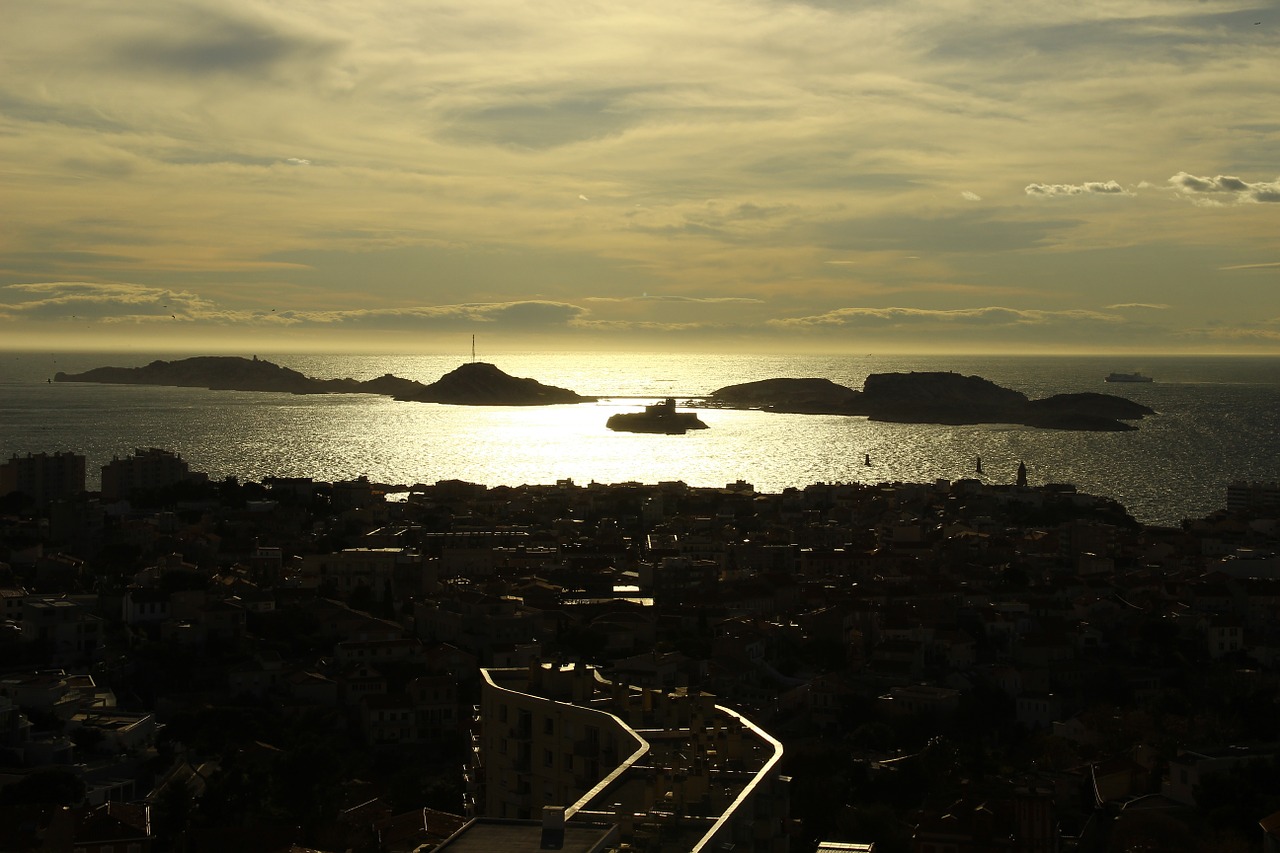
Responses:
[1218,422]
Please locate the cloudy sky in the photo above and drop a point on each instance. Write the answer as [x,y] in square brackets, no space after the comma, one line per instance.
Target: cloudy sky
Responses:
[832,175]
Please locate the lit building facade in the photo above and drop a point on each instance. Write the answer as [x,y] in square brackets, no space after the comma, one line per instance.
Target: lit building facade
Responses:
[673,770]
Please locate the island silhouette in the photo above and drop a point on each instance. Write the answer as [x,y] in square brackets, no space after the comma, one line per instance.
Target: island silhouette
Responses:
[475,383]
[933,397]
[916,397]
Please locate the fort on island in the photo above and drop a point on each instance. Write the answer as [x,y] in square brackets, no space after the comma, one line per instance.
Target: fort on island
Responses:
[199,664]
[661,417]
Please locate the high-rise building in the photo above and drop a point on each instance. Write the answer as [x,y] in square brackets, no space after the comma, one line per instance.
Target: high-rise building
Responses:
[147,468]
[43,476]
[1253,497]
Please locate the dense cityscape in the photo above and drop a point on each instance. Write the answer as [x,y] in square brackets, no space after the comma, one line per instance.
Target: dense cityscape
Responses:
[294,665]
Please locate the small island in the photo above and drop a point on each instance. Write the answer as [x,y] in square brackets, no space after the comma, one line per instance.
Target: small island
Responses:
[934,397]
[658,418]
[476,383]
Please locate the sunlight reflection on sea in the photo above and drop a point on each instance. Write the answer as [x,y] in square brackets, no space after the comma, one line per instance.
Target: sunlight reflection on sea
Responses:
[1217,422]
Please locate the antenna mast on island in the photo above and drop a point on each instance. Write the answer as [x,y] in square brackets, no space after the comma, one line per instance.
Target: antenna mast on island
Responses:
[473,349]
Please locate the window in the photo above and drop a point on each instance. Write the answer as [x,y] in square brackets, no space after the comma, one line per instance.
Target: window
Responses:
[548,726]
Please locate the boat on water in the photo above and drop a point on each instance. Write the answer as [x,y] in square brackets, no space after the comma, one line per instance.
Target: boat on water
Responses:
[660,418]
[1128,377]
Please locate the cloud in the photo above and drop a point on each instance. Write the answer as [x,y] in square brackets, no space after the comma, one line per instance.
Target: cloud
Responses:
[64,300]
[1270,265]
[115,303]
[969,231]
[727,222]
[1246,334]
[992,316]
[533,314]
[669,298]
[653,326]
[1153,306]
[1087,188]
[537,121]
[1261,192]
[970,196]
[206,40]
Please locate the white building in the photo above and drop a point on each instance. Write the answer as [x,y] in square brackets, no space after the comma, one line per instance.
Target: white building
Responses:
[674,771]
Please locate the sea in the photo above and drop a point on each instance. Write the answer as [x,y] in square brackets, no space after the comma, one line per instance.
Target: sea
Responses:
[1217,421]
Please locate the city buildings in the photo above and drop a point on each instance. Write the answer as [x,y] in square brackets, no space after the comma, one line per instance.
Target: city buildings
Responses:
[664,667]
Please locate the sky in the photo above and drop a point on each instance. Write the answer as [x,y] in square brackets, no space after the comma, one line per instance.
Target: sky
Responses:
[718,175]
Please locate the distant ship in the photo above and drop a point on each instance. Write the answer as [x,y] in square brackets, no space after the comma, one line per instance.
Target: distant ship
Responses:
[660,417]
[1128,377]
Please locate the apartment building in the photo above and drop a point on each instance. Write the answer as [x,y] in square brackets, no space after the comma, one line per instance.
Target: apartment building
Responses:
[43,477]
[673,770]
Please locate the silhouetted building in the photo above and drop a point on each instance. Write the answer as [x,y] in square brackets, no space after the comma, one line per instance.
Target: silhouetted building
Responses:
[148,468]
[1023,820]
[1253,497]
[42,476]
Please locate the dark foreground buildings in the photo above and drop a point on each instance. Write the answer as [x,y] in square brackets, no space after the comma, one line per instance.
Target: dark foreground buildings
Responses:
[954,666]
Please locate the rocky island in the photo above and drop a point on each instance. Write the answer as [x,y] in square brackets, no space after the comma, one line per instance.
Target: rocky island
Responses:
[479,383]
[471,384]
[933,397]
[658,418]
